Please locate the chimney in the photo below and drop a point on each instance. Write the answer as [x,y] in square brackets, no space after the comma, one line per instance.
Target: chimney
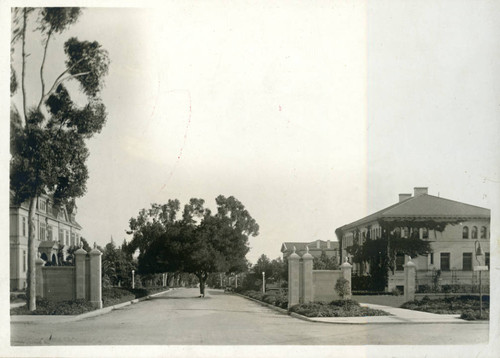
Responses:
[318,244]
[328,244]
[420,190]
[403,197]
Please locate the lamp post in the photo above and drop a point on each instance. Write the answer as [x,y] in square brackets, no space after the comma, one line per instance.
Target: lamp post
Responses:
[133,280]
[263,282]
[479,252]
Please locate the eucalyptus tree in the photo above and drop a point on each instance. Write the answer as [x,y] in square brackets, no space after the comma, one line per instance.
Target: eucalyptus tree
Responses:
[48,137]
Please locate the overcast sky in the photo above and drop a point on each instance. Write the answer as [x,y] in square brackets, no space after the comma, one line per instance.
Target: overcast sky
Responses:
[312,115]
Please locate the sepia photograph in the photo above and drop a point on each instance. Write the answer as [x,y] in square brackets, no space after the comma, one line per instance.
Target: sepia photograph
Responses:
[250,178]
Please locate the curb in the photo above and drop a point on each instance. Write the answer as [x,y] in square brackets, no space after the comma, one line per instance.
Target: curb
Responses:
[98,312]
[273,307]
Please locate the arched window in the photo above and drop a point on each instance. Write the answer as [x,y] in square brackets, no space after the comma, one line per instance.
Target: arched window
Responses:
[425,233]
[405,232]
[483,232]
[474,232]
[465,232]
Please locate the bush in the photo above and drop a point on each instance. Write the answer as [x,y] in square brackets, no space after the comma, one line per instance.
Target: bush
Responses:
[342,287]
[338,308]
[46,307]
[451,305]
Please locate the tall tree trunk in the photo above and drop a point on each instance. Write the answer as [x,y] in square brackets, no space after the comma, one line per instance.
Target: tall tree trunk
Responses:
[31,256]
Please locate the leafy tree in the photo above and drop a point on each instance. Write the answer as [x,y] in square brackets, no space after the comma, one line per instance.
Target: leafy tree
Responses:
[48,148]
[324,262]
[200,242]
[342,287]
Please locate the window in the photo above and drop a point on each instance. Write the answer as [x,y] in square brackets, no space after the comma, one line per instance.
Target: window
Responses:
[61,236]
[400,261]
[24,226]
[425,233]
[431,258]
[467,261]
[72,238]
[465,232]
[24,260]
[474,232]
[42,205]
[42,234]
[66,241]
[415,233]
[483,232]
[487,259]
[397,232]
[405,232]
[445,261]
[49,232]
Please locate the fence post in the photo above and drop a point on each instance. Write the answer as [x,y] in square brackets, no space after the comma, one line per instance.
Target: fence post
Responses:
[307,277]
[409,271]
[80,274]
[346,269]
[293,279]
[95,277]
[39,275]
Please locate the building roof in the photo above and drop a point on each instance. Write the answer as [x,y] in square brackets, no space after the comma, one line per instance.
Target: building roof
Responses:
[301,246]
[424,207]
[52,213]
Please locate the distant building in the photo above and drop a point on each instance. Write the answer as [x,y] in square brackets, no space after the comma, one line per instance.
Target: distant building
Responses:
[453,250]
[55,231]
[316,248]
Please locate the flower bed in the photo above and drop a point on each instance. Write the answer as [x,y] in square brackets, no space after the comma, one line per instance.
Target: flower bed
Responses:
[467,306]
[110,296]
[278,299]
[337,308]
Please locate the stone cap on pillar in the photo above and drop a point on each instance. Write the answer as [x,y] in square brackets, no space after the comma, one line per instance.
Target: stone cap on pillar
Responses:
[307,255]
[95,250]
[293,255]
[39,260]
[410,263]
[346,264]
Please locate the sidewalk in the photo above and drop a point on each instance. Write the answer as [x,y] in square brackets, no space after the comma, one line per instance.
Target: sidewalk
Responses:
[397,316]
[71,318]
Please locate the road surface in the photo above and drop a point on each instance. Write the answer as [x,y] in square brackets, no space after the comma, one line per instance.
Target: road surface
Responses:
[182,318]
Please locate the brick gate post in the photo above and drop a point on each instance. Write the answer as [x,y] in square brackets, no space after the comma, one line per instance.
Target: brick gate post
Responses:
[80,274]
[307,277]
[410,282]
[95,277]
[293,279]
[346,269]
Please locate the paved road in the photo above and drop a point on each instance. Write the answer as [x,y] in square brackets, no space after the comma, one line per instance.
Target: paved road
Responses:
[182,318]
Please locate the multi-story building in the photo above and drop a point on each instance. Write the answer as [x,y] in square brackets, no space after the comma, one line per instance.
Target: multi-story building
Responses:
[55,231]
[316,248]
[454,249]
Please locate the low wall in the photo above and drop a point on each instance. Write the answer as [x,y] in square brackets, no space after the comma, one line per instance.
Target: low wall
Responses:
[324,285]
[59,283]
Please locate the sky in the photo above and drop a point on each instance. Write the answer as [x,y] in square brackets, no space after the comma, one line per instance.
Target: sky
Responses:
[312,115]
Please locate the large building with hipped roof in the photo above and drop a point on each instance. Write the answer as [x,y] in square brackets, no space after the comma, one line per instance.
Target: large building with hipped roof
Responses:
[458,233]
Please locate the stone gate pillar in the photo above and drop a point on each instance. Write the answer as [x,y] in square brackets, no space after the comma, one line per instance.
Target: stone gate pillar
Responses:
[346,269]
[39,275]
[293,279]
[80,274]
[307,277]
[95,277]
[410,281]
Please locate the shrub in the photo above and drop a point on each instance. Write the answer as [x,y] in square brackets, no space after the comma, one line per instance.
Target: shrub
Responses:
[46,307]
[342,287]
[337,308]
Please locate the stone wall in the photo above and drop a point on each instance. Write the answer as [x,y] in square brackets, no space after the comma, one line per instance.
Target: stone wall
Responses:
[308,285]
[82,281]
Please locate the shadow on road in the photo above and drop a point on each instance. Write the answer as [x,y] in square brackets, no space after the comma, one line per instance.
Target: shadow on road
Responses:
[179,297]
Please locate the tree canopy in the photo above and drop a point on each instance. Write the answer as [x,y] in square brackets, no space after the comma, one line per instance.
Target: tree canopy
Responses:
[197,241]
[48,148]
